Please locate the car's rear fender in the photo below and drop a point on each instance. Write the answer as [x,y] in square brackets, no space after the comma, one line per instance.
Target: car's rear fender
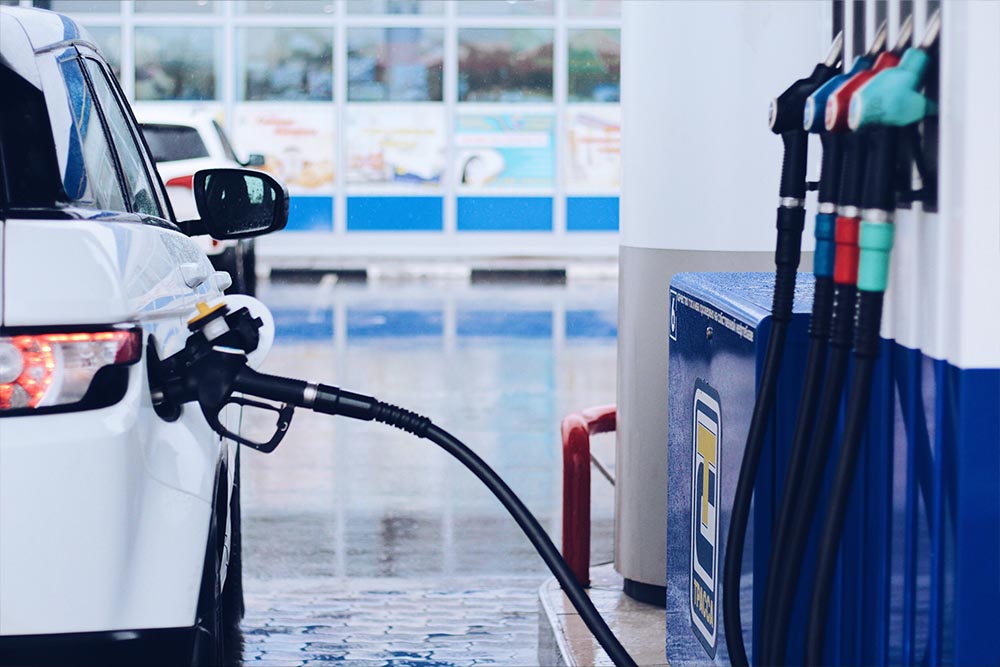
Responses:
[92,538]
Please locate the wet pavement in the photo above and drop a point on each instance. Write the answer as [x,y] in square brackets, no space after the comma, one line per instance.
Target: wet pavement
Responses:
[366,546]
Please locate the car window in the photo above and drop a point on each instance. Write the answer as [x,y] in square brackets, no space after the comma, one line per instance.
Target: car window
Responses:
[168,143]
[27,150]
[98,182]
[138,185]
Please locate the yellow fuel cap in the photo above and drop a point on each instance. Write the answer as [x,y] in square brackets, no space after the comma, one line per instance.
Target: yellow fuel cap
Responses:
[204,310]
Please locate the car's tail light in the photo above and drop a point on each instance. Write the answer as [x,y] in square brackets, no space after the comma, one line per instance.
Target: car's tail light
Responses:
[181,182]
[58,369]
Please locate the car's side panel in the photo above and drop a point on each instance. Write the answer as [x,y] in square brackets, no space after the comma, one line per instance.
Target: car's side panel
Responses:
[104,514]
[108,273]
[90,539]
[93,271]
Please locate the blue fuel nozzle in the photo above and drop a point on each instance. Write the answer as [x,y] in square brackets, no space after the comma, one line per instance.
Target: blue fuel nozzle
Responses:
[815,107]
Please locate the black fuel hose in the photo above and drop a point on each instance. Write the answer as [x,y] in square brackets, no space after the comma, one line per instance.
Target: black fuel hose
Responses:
[796,520]
[866,351]
[786,119]
[788,249]
[800,516]
[731,573]
[819,333]
[879,196]
[335,401]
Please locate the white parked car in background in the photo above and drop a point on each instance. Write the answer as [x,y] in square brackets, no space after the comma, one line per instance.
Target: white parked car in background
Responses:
[183,143]
[119,528]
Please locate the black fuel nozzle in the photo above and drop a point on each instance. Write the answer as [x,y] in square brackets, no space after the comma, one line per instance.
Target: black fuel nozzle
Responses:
[786,118]
[207,369]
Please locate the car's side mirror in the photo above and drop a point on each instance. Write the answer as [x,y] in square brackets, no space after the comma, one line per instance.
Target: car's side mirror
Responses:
[255,160]
[237,204]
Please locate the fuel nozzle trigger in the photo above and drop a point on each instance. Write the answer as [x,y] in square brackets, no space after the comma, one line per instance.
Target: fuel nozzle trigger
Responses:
[206,371]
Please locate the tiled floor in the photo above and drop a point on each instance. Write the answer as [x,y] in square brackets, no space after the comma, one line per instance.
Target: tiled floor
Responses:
[641,628]
[424,623]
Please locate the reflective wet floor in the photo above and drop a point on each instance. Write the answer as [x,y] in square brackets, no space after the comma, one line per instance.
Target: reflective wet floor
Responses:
[364,545]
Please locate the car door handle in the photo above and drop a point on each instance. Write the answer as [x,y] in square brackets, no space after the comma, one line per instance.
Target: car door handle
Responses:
[195,273]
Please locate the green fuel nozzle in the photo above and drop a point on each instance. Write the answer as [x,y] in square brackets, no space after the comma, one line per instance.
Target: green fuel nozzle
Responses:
[890,101]
[893,97]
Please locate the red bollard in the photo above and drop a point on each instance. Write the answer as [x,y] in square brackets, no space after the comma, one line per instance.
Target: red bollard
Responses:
[576,431]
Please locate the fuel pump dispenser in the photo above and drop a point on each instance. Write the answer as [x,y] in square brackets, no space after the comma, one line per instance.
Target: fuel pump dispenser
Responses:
[786,119]
[874,532]
[812,441]
[890,101]
[824,297]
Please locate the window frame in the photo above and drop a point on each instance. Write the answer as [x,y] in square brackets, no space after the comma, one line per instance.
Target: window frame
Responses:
[72,55]
[150,173]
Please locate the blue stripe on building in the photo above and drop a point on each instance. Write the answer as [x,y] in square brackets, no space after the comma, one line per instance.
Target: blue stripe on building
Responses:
[592,214]
[372,323]
[504,323]
[591,324]
[310,214]
[299,324]
[302,324]
[395,214]
[505,214]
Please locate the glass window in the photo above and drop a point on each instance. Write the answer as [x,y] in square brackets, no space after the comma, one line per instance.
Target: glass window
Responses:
[395,144]
[395,7]
[594,62]
[95,179]
[176,63]
[504,64]
[28,161]
[593,149]
[599,8]
[298,141]
[287,63]
[140,189]
[287,7]
[395,64]
[505,150]
[109,41]
[176,6]
[505,7]
[174,142]
[79,6]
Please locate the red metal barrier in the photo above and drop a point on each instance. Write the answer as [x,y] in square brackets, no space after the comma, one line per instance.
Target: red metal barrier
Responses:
[576,431]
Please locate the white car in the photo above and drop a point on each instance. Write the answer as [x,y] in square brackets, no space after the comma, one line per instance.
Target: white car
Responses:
[183,143]
[119,528]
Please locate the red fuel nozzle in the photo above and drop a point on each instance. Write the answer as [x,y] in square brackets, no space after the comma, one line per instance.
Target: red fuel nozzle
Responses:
[845,265]
[839,102]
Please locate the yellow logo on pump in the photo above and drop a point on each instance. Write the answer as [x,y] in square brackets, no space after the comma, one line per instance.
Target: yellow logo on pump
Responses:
[706,430]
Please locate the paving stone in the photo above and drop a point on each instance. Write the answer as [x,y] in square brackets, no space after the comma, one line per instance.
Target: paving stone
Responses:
[421,624]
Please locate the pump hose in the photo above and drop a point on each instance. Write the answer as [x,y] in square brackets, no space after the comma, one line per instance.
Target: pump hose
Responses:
[784,294]
[800,516]
[819,333]
[866,351]
[334,401]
